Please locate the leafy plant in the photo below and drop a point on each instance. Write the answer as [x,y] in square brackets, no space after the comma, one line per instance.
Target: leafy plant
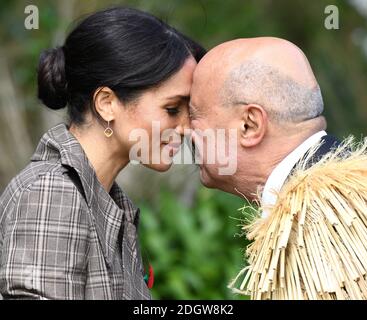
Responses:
[194,251]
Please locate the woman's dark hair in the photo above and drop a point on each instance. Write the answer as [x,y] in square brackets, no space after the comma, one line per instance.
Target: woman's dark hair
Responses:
[124,49]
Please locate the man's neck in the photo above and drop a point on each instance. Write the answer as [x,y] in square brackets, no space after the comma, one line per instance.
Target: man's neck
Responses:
[282,144]
[256,165]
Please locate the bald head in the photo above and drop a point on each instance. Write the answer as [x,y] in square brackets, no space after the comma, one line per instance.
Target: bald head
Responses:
[270,72]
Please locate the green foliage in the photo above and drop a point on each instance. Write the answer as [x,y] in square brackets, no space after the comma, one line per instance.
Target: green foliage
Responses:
[194,251]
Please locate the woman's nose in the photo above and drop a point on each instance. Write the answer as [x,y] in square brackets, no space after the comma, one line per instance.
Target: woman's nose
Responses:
[184,125]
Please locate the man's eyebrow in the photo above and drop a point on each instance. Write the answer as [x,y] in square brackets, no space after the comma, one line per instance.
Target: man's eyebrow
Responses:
[191,106]
[192,109]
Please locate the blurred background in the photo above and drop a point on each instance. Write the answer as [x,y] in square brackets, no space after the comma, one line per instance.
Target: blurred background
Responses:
[188,233]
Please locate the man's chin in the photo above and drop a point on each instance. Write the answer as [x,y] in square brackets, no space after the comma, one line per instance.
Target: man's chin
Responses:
[213,182]
[206,180]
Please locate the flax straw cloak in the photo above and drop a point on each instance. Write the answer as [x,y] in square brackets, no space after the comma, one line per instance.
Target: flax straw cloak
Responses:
[313,245]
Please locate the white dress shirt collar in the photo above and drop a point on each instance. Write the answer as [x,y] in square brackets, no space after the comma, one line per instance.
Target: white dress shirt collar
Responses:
[279,175]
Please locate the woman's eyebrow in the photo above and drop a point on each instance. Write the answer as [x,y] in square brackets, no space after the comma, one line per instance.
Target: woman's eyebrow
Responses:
[179,97]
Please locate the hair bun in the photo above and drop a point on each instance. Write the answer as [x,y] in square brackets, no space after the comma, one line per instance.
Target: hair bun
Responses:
[52,85]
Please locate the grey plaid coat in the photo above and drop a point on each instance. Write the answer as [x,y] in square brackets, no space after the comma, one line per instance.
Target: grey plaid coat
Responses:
[62,236]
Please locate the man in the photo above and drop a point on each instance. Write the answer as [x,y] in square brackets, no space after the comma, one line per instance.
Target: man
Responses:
[310,241]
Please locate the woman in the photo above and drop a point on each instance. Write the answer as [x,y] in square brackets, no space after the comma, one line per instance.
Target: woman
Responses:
[67,231]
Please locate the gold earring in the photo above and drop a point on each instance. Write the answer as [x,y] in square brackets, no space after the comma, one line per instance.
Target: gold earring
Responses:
[108,131]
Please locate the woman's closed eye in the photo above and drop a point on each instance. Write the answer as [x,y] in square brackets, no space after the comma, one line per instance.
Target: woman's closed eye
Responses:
[173,111]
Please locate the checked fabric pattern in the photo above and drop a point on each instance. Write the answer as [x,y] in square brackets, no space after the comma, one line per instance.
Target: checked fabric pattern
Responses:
[62,236]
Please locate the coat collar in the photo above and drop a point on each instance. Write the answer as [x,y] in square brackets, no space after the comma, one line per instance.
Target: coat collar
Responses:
[109,210]
[281,172]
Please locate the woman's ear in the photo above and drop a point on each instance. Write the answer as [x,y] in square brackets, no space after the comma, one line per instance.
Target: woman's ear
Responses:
[104,101]
[253,125]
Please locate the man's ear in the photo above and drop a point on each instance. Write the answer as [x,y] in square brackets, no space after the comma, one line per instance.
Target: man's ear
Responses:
[253,125]
[105,102]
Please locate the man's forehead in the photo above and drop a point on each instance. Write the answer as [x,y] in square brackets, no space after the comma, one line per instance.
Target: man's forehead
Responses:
[210,75]
[206,85]
[203,105]
[210,72]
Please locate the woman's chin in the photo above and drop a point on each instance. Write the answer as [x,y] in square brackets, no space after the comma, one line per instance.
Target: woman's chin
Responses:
[161,167]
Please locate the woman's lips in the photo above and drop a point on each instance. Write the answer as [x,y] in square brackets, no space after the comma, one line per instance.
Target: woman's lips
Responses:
[173,148]
[175,145]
